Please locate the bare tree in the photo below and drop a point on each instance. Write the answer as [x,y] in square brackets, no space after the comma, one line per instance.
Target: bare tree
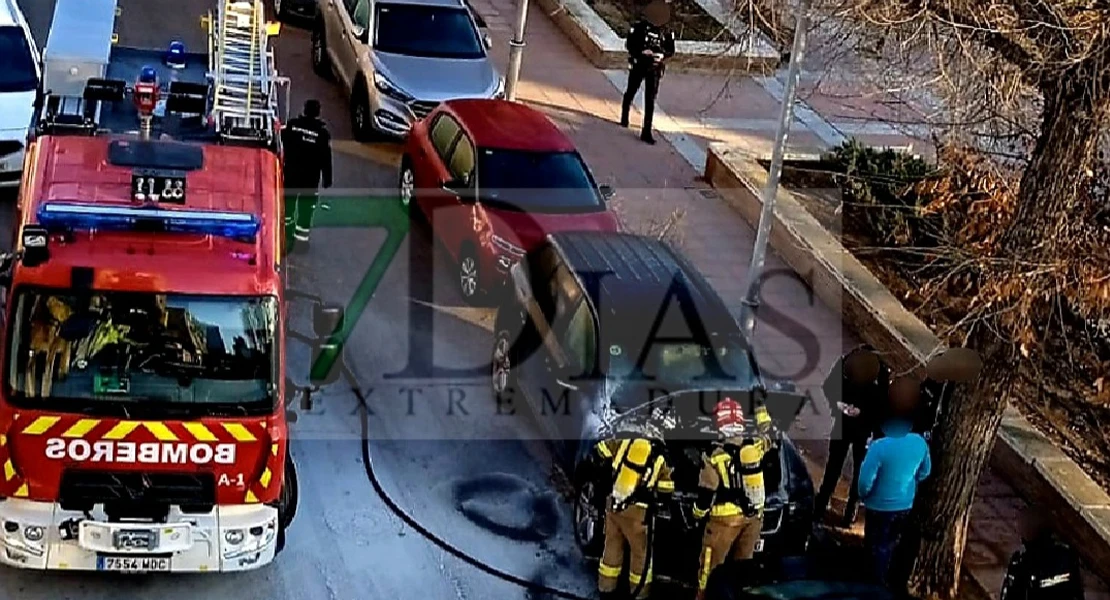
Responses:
[1042,271]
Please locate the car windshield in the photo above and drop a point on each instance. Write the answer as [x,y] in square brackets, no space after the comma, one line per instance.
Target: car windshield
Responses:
[681,362]
[542,182]
[17,67]
[426,31]
[74,351]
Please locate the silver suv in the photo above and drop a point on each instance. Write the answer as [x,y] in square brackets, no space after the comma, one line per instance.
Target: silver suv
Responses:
[400,58]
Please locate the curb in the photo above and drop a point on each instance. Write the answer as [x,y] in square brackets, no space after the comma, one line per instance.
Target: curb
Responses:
[605,49]
[1037,469]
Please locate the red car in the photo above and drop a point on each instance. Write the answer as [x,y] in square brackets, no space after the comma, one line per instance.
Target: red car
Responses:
[493,178]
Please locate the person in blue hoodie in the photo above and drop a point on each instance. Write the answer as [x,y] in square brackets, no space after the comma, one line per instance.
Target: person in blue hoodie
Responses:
[894,466]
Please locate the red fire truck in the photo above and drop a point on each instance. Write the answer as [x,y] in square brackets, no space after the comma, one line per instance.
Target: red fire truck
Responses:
[142,421]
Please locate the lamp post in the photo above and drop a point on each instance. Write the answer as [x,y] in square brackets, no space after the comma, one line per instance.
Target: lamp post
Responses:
[516,49]
[774,173]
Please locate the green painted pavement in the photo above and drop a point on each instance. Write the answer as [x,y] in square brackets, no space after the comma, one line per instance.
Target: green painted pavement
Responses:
[359,212]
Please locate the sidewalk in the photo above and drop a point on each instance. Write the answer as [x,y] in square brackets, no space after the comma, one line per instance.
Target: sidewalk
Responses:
[694,110]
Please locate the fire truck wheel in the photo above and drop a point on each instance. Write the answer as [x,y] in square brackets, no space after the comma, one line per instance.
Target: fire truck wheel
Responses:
[321,64]
[290,493]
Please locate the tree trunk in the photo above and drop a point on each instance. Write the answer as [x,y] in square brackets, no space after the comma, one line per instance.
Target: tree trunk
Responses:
[961,447]
[1051,194]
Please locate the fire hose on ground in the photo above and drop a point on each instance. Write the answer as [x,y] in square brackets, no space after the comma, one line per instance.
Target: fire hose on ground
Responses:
[395,508]
[368,463]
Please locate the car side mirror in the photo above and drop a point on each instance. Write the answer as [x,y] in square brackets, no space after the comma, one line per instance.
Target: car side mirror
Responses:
[486,41]
[460,188]
[607,192]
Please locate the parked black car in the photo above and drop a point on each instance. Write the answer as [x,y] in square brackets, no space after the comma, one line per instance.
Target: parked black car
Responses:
[603,327]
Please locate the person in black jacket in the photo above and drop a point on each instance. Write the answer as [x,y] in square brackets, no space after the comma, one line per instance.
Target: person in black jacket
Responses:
[307,158]
[855,390]
[943,373]
[649,45]
[1044,568]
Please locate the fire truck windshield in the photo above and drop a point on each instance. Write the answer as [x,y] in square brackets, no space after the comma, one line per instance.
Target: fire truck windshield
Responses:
[125,352]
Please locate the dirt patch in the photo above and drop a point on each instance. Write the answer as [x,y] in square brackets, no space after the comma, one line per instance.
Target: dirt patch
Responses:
[689,21]
[1067,421]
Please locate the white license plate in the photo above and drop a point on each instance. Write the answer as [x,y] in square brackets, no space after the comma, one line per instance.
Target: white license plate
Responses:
[127,564]
[759,546]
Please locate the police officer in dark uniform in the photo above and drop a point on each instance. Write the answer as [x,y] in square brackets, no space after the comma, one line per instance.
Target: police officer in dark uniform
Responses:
[649,45]
[307,146]
[1044,568]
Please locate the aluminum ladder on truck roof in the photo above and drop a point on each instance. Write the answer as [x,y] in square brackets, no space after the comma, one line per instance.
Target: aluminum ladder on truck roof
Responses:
[242,73]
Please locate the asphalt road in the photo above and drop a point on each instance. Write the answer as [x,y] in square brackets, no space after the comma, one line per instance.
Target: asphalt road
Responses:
[345,543]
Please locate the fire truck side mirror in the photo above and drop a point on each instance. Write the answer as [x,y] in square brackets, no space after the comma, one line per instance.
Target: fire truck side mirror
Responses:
[326,319]
[36,250]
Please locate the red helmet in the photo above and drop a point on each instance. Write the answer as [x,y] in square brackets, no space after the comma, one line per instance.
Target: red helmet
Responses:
[729,413]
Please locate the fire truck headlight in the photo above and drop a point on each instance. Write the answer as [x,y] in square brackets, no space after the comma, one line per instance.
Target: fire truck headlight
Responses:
[234,536]
[33,533]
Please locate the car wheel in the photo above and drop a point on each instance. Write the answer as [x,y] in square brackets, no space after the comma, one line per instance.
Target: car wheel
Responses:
[503,372]
[362,122]
[321,64]
[470,276]
[406,191]
[589,520]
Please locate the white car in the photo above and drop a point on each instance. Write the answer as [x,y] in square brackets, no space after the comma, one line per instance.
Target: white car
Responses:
[20,73]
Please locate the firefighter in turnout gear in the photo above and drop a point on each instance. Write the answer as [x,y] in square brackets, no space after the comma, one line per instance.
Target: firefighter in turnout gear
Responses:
[307,159]
[641,481]
[731,489]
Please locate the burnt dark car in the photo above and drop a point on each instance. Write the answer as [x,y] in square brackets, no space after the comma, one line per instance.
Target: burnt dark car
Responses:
[609,326]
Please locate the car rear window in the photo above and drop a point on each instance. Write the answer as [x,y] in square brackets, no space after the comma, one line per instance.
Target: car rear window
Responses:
[537,181]
[17,67]
[427,31]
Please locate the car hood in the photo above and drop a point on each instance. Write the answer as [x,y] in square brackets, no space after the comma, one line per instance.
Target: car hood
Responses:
[16,113]
[438,79]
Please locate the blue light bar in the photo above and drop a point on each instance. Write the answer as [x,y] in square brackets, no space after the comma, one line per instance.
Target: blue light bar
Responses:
[65,215]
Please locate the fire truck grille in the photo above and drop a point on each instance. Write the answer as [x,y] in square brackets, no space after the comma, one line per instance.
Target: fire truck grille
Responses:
[82,489]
